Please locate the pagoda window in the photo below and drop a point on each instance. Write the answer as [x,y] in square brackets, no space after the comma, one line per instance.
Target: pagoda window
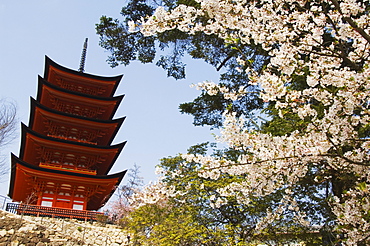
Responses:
[66,190]
[78,205]
[85,136]
[87,112]
[50,185]
[79,89]
[88,136]
[82,161]
[56,157]
[46,203]
[77,110]
[46,199]
[66,186]
[80,191]
[69,159]
[67,107]
[73,133]
[62,131]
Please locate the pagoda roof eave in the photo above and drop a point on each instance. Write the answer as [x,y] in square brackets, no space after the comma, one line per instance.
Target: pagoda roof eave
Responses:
[35,104]
[115,100]
[104,169]
[42,82]
[25,129]
[49,62]
[116,178]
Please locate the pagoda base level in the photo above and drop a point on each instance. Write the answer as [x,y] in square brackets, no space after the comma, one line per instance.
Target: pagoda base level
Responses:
[35,210]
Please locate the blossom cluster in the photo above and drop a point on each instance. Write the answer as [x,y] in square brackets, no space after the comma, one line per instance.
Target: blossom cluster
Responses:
[324,42]
[213,89]
[353,214]
[153,193]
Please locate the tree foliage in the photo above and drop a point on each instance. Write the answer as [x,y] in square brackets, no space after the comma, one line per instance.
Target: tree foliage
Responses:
[307,167]
[174,45]
[314,79]
[196,214]
[165,224]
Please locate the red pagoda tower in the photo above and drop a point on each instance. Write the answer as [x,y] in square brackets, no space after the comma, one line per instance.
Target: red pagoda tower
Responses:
[66,152]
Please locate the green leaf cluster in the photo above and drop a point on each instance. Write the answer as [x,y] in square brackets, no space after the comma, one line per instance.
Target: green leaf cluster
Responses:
[191,219]
[168,50]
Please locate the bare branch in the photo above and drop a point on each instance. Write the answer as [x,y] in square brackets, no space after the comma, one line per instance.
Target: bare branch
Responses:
[8,122]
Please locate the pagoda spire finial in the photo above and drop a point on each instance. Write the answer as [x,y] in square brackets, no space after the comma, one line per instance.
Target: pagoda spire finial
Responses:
[83,57]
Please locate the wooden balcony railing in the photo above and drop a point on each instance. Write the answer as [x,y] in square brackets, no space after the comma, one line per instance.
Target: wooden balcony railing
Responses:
[72,139]
[36,210]
[68,168]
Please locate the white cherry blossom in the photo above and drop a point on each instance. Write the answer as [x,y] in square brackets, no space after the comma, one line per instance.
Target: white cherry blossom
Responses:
[339,81]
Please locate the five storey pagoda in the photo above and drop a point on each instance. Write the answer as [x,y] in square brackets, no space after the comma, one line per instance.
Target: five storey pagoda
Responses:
[66,151]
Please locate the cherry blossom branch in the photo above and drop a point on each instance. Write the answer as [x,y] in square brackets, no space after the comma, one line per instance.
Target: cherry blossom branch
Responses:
[351,22]
[287,158]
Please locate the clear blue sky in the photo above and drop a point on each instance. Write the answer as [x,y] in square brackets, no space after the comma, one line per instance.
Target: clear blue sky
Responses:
[153,129]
